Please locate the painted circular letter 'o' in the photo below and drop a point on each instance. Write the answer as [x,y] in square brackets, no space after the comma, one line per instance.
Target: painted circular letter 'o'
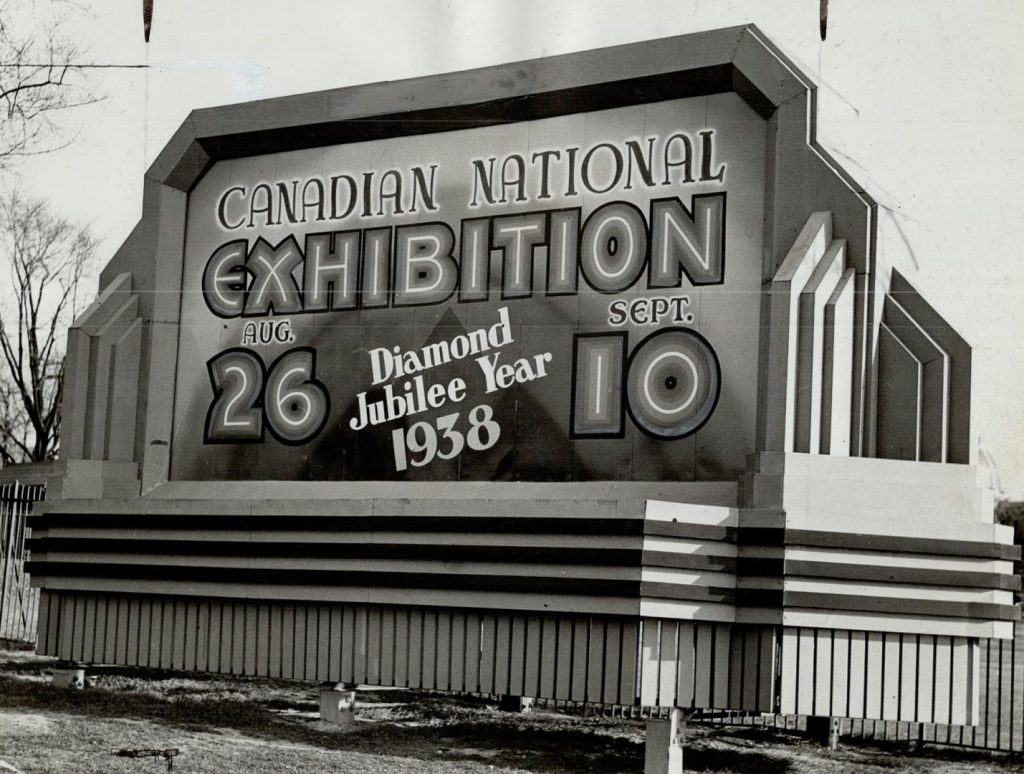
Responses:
[673,383]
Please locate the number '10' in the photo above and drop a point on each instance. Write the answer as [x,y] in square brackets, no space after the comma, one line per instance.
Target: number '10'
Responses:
[669,384]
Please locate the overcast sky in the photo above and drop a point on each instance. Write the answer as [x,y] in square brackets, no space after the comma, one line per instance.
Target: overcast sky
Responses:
[921,100]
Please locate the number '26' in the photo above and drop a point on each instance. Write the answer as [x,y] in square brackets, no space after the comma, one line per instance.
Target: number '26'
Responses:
[287,397]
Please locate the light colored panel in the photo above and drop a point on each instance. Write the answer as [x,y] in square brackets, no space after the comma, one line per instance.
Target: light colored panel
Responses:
[517,651]
[768,664]
[627,669]
[428,650]
[43,624]
[737,673]
[837,369]
[974,683]
[99,397]
[299,643]
[963,671]
[686,664]
[348,644]
[612,653]
[790,654]
[823,667]
[935,372]
[882,559]
[239,639]
[810,346]
[251,638]
[581,648]
[531,677]
[961,448]
[86,630]
[109,655]
[276,636]
[908,678]
[124,395]
[76,390]
[595,659]
[175,636]
[145,624]
[216,640]
[457,657]
[191,629]
[373,646]
[895,590]
[690,513]
[873,676]
[899,399]
[926,679]
[682,577]
[162,636]
[687,611]
[884,621]
[472,652]
[549,652]
[858,654]
[359,667]
[488,634]
[779,393]
[891,677]
[58,603]
[759,669]
[402,652]
[76,627]
[106,617]
[702,672]
[943,685]
[442,670]
[502,643]
[564,670]
[579,603]
[415,676]
[840,673]
[720,676]
[805,673]
[667,665]
[323,652]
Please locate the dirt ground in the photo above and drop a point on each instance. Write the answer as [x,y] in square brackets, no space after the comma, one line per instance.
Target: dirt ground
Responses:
[223,725]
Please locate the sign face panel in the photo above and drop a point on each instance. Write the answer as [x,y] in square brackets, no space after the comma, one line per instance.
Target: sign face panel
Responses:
[570,298]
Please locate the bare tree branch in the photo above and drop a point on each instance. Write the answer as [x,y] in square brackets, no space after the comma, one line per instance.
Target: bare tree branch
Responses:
[41,75]
[46,256]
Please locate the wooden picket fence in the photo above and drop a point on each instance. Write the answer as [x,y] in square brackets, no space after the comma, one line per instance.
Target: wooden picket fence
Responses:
[1000,719]
[19,602]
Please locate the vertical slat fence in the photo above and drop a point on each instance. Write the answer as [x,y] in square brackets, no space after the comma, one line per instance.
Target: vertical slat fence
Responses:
[19,602]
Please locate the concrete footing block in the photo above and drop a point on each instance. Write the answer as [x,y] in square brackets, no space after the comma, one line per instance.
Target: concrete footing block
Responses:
[825,730]
[69,677]
[337,705]
[515,703]
[663,747]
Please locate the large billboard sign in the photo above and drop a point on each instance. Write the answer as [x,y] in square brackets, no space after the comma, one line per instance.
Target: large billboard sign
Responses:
[569,298]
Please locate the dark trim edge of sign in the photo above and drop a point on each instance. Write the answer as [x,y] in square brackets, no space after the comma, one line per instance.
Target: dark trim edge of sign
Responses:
[199,150]
[716,79]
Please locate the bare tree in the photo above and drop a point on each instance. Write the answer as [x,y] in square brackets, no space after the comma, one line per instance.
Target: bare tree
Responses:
[40,67]
[48,259]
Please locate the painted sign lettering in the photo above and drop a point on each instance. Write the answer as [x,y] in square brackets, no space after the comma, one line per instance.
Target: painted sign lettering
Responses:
[543,300]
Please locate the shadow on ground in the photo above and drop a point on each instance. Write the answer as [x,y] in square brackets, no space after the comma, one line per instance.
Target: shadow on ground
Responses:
[402,723]
[411,724]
